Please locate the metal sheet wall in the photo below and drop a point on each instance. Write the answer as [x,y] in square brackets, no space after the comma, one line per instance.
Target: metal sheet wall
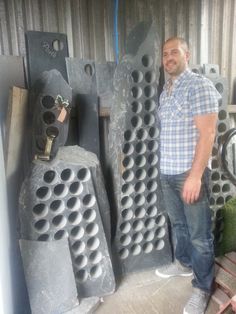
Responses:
[208,25]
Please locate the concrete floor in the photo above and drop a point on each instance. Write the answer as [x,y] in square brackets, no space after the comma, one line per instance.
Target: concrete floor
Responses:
[145,293]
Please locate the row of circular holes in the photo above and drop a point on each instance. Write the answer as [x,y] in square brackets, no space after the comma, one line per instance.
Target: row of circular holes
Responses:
[139,212]
[139,187]
[60,221]
[141,134]
[136,249]
[149,106]
[67,175]
[138,225]
[219,201]
[140,161]
[140,148]
[138,76]
[83,275]
[138,237]
[216,188]
[140,174]
[139,200]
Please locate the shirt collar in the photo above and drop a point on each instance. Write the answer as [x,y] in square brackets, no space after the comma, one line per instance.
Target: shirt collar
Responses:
[176,82]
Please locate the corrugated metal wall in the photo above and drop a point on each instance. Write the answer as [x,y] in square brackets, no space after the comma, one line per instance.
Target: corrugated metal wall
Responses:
[208,25]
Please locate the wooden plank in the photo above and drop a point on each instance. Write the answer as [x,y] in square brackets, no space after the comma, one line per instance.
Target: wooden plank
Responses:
[227,265]
[15,127]
[226,280]
[231,256]
[220,297]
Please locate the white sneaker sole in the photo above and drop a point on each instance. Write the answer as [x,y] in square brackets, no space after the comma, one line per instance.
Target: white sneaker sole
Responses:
[169,276]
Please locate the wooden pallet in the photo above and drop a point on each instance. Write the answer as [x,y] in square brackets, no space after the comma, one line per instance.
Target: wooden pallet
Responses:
[223,300]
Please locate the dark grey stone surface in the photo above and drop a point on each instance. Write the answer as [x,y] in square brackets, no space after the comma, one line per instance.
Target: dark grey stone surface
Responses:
[86,306]
[49,276]
[45,51]
[58,199]
[141,239]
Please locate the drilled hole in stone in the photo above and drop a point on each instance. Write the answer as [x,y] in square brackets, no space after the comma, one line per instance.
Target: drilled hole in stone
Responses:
[140,161]
[40,210]
[137,76]
[136,122]
[216,188]
[84,174]
[159,245]
[160,232]
[126,202]
[147,61]
[92,229]
[57,206]
[78,247]
[127,214]
[61,190]
[219,87]
[88,69]
[128,162]
[228,198]
[48,102]
[152,186]
[76,188]
[149,119]
[142,134]
[136,92]
[93,243]
[137,237]
[222,127]
[151,198]
[160,220]
[135,249]
[214,151]
[214,164]
[49,176]
[129,136]
[149,235]
[82,275]
[127,188]
[136,107]
[149,91]
[212,201]
[152,211]
[73,203]
[59,221]
[95,257]
[89,215]
[77,233]
[150,223]
[89,200]
[125,227]
[150,77]
[43,193]
[60,234]
[139,187]
[128,149]
[49,117]
[67,175]
[75,218]
[43,237]
[148,247]
[138,225]
[128,175]
[223,178]
[139,199]
[57,45]
[222,115]
[226,188]
[152,146]
[96,271]
[215,176]
[125,240]
[52,131]
[153,132]
[124,253]
[149,105]
[42,226]
[140,148]
[220,201]
[81,261]
[140,174]
[152,159]
[152,172]
[140,212]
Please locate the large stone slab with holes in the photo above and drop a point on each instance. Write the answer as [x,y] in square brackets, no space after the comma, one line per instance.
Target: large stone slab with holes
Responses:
[66,198]
[141,239]
[49,276]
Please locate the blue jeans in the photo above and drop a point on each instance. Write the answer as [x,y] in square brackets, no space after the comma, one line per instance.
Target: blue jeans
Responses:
[191,228]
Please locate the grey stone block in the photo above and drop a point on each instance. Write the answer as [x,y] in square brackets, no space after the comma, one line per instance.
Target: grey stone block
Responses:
[86,306]
[58,199]
[49,276]
[141,239]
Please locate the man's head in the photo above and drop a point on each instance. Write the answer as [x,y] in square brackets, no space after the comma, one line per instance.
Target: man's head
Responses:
[175,56]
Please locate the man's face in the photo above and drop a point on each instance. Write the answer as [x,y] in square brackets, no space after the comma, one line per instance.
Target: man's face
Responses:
[175,58]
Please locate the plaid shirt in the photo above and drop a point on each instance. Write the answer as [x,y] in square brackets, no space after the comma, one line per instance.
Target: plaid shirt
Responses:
[191,95]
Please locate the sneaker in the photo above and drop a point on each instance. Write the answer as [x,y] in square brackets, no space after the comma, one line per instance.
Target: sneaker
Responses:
[173,270]
[197,303]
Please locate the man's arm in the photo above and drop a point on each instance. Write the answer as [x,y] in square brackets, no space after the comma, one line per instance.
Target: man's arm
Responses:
[206,125]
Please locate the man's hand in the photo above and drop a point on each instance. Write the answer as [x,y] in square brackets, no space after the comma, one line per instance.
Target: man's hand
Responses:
[191,189]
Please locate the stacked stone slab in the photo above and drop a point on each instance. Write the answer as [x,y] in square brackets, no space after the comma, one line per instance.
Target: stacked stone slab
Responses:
[64,198]
[221,188]
[141,239]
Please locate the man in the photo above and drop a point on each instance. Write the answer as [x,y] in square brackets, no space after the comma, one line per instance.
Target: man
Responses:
[188,114]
